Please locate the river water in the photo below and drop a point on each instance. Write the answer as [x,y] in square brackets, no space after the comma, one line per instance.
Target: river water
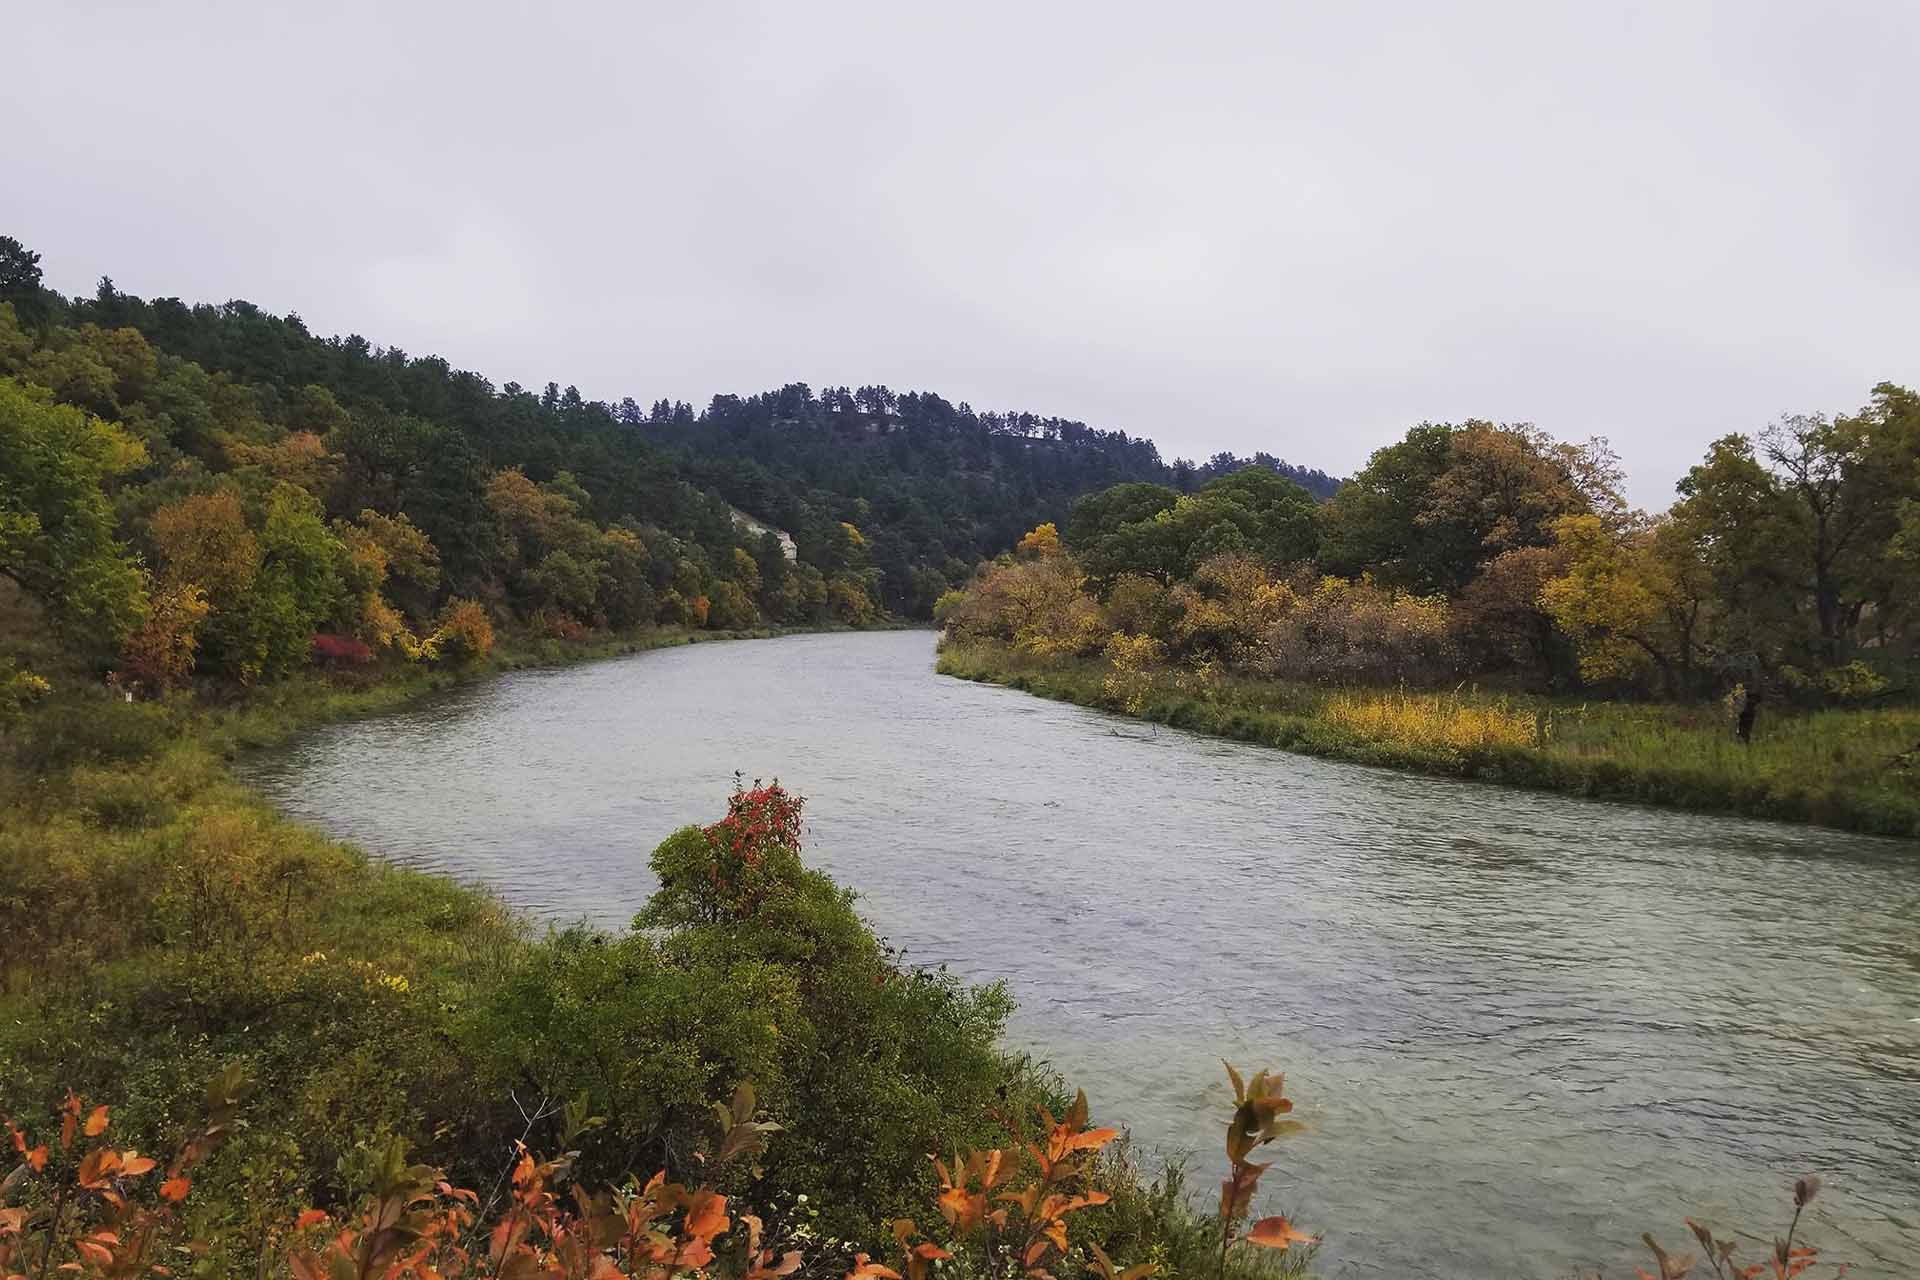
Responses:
[1522,1028]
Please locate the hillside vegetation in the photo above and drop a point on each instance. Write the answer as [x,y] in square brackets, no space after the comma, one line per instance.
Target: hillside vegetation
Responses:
[1480,601]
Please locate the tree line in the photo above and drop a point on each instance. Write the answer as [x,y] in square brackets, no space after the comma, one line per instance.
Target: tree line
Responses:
[215,489]
[1787,568]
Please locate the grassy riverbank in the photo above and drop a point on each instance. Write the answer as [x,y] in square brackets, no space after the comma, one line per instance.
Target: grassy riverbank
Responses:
[1854,770]
[161,921]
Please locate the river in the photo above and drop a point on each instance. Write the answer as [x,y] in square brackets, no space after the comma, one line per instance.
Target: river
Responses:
[1522,1028]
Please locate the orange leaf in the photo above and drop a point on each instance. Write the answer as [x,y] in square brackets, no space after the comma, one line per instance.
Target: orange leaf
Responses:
[175,1189]
[136,1164]
[99,1165]
[309,1218]
[865,1270]
[1277,1233]
[37,1158]
[1059,1206]
[97,1122]
[1092,1139]
[707,1216]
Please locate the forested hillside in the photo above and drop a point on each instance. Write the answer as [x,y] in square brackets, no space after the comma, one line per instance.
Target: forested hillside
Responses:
[937,485]
[232,484]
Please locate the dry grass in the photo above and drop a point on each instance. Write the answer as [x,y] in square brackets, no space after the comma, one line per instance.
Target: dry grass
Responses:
[1434,721]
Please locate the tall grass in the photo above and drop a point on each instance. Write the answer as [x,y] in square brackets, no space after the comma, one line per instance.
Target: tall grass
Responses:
[1431,721]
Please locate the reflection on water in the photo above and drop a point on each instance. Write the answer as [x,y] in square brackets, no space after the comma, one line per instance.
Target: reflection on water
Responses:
[1523,1028]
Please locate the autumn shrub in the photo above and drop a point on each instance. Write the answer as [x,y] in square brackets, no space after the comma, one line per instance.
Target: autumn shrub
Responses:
[1139,605]
[1342,631]
[557,625]
[1227,608]
[1037,604]
[159,654]
[1132,661]
[464,633]
[340,651]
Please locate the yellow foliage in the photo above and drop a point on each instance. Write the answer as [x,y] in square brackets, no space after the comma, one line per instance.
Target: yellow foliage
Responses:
[1036,605]
[465,634]
[1041,540]
[1133,659]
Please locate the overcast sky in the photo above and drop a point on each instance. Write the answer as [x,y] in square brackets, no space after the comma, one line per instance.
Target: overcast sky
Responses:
[1251,226]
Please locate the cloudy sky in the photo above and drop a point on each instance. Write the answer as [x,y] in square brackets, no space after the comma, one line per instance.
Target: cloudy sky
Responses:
[1298,228]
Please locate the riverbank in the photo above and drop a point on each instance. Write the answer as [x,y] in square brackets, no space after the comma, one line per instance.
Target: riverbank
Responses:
[162,921]
[1838,769]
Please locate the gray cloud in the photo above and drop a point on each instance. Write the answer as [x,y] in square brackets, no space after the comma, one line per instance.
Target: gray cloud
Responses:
[1223,226]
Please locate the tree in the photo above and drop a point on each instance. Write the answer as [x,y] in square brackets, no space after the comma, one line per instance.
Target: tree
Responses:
[1287,515]
[204,539]
[1371,524]
[1632,599]
[57,538]
[1798,536]
[1838,486]
[20,279]
[1503,625]
[1428,512]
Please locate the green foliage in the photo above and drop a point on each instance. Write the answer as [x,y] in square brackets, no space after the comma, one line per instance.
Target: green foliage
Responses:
[57,537]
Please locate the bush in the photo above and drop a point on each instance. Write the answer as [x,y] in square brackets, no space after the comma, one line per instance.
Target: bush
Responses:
[464,634]
[340,651]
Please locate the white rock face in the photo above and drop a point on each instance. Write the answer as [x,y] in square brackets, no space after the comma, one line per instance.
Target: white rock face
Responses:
[753,526]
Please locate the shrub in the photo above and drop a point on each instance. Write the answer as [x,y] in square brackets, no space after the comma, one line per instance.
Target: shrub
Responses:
[1132,661]
[464,634]
[340,651]
[19,690]
[1355,632]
